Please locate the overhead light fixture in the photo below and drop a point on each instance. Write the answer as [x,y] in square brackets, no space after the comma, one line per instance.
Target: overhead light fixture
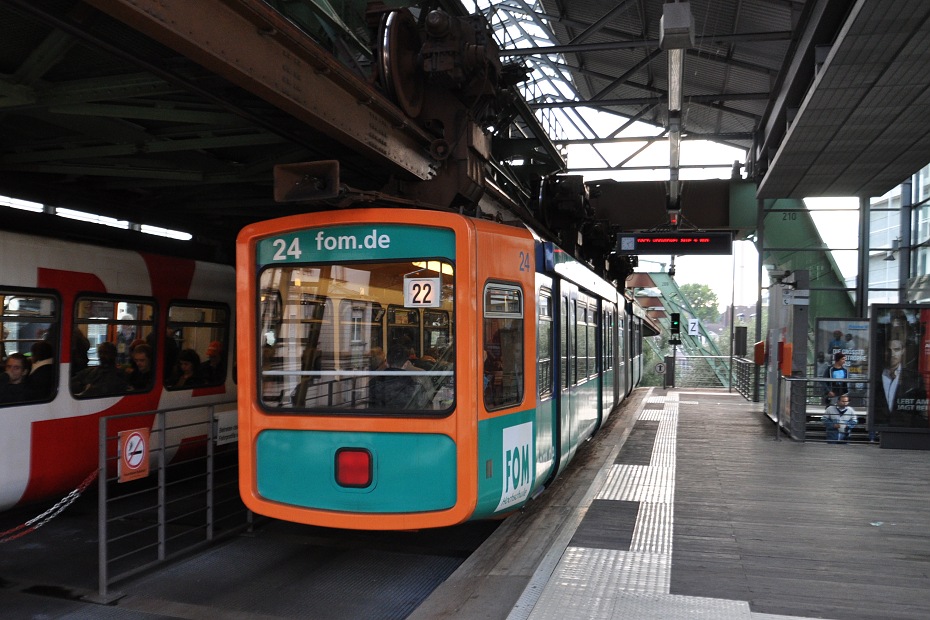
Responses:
[675,75]
[676,33]
[676,26]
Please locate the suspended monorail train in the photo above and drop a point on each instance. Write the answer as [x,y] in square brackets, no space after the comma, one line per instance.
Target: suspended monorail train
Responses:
[406,369]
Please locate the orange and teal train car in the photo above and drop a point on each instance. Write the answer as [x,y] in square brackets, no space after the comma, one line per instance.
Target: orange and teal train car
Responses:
[404,369]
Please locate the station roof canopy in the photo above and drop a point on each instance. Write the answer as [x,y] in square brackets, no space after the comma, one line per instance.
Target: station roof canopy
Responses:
[827,97]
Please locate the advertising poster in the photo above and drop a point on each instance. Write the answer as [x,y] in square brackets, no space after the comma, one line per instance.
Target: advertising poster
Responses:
[851,338]
[899,374]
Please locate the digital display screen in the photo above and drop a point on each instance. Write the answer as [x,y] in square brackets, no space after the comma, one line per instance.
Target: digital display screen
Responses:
[677,243]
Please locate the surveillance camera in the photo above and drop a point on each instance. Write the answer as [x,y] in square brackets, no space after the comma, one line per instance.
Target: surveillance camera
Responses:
[671,272]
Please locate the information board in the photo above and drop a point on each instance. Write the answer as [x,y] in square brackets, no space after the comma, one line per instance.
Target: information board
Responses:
[675,243]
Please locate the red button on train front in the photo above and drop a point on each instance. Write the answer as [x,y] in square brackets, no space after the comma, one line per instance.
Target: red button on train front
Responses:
[353,467]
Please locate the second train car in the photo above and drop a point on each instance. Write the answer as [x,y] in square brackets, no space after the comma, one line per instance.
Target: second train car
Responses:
[412,370]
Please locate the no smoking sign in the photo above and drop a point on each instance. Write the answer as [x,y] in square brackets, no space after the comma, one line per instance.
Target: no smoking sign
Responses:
[133,454]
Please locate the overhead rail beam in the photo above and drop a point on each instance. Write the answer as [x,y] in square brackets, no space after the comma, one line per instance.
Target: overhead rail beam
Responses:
[661,138]
[251,45]
[609,46]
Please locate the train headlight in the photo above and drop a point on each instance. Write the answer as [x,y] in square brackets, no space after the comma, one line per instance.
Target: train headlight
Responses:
[353,467]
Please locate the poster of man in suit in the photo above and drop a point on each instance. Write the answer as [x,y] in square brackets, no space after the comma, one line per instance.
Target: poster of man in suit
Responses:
[898,383]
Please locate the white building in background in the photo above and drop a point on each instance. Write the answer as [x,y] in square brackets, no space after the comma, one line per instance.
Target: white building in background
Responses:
[899,242]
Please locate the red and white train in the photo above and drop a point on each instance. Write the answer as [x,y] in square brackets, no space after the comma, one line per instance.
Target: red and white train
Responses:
[63,299]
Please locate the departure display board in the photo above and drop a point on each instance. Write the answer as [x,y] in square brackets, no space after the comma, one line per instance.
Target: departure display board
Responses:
[677,243]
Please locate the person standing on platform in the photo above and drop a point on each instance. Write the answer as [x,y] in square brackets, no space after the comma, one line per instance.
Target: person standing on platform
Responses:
[839,420]
[836,371]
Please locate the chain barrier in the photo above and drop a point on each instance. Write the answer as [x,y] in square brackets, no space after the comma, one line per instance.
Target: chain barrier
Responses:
[33,524]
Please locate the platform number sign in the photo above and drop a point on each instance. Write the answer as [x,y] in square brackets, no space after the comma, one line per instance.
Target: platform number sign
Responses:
[694,327]
[422,292]
[133,454]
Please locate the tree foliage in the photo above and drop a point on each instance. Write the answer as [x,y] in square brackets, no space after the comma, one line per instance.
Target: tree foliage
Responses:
[703,300]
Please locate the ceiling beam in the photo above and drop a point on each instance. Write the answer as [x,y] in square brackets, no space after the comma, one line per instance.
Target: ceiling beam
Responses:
[253,46]
[608,46]
[145,148]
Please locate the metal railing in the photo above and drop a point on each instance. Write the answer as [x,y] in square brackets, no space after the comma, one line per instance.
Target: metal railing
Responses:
[189,500]
[748,379]
[802,420]
[701,371]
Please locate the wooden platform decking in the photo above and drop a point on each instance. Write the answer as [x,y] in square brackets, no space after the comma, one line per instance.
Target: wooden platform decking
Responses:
[802,529]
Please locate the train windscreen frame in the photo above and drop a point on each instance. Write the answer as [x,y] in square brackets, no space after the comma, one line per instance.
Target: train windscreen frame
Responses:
[362,327]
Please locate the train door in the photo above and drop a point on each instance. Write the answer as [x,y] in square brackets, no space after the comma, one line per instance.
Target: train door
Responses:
[568,299]
[607,357]
[587,388]
[621,376]
[547,426]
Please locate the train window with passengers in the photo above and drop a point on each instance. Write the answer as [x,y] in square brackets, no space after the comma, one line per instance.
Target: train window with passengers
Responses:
[196,345]
[544,345]
[358,336]
[28,347]
[503,345]
[106,333]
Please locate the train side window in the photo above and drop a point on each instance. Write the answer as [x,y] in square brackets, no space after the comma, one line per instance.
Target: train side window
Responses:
[503,345]
[564,332]
[544,345]
[105,333]
[581,344]
[28,347]
[607,322]
[196,345]
[592,341]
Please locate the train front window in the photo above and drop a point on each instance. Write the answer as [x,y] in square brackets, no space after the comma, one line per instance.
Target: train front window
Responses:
[357,337]
[28,340]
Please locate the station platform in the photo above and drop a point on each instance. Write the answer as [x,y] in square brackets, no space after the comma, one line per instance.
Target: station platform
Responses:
[689,507]
[683,506]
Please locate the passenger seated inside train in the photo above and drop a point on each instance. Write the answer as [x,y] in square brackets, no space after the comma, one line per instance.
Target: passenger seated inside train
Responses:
[124,340]
[377,360]
[41,382]
[395,391]
[213,371]
[13,382]
[105,379]
[188,367]
[167,349]
[142,375]
[80,345]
